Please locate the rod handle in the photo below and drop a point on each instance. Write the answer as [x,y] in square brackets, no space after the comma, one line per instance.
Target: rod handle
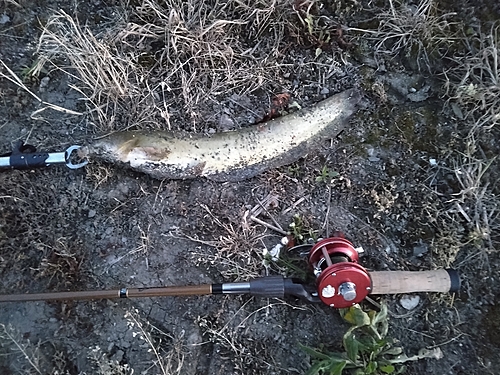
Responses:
[394,282]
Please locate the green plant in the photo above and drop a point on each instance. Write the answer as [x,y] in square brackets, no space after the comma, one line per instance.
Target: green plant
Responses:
[326,175]
[367,349]
[294,170]
[301,230]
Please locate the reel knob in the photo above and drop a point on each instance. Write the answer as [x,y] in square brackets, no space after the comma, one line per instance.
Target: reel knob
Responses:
[340,280]
[348,291]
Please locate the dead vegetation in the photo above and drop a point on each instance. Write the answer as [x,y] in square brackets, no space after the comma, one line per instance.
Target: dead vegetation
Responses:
[470,216]
[133,74]
[231,334]
[22,353]
[236,249]
[418,31]
[169,351]
[171,65]
[43,248]
[110,82]
[475,81]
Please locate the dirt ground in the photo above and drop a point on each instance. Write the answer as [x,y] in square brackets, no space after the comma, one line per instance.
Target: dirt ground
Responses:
[413,179]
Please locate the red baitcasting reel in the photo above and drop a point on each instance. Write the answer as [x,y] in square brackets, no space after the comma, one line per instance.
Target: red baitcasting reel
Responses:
[341,281]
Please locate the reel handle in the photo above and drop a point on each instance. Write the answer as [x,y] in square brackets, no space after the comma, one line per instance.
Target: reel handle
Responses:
[395,282]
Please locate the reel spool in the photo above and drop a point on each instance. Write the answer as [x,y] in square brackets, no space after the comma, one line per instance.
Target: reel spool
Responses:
[340,280]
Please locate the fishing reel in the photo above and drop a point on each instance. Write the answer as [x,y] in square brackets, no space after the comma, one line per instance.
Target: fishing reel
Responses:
[341,281]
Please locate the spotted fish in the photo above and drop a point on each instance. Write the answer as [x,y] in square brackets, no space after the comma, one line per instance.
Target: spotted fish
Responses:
[228,156]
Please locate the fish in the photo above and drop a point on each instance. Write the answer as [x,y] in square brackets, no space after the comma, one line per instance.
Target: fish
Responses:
[228,156]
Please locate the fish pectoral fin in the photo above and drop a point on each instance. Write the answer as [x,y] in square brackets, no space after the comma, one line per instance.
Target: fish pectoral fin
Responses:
[151,153]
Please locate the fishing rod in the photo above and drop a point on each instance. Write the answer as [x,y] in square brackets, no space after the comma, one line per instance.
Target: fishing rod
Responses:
[340,282]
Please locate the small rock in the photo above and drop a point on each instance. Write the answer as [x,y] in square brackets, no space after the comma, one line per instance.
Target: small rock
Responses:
[420,95]
[4,19]
[124,344]
[457,111]
[226,122]
[419,250]
[44,82]
[409,302]
[324,91]
[92,213]
[119,355]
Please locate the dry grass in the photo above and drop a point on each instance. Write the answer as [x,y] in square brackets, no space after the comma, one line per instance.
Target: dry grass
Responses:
[482,207]
[237,250]
[109,82]
[21,353]
[201,53]
[415,30]
[170,55]
[475,81]
[230,335]
[168,358]
[470,218]
[8,74]
[106,366]
[11,2]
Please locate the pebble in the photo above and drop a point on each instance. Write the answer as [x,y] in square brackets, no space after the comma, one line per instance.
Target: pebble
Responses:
[44,82]
[226,122]
[92,213]
[119,355]
[409,302]
[324,91]
[420,250]
[4,19]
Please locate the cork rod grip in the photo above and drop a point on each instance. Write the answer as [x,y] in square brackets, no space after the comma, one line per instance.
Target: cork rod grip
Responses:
[393,282]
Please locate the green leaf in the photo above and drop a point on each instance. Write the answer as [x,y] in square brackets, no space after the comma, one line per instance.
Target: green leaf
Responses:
[317,368]
[356,316]
[388,369]
[379,321]
[352,346]
[313,353]
[371,368]
[400,370]
[394,351]
[337,368]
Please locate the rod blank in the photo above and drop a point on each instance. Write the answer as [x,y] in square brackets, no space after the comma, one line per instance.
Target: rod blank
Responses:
[187,290]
